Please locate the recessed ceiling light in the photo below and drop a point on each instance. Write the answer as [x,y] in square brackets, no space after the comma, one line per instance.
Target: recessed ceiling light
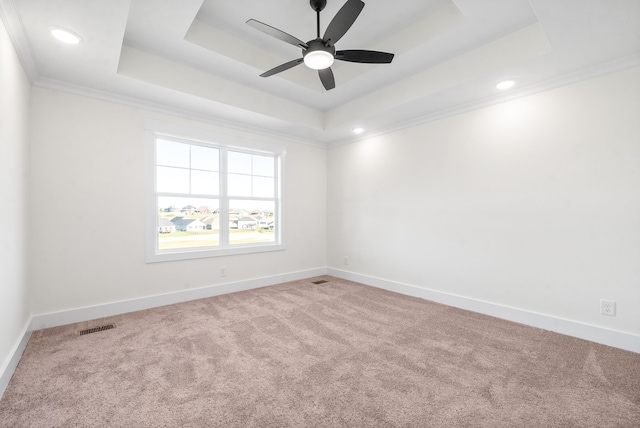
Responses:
[358,130]
[506,84]
[64,35]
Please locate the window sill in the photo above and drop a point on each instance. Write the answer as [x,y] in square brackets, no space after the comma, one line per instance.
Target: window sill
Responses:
[196,253]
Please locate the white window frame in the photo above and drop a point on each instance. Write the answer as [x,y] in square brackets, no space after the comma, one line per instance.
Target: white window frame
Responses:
[155,129]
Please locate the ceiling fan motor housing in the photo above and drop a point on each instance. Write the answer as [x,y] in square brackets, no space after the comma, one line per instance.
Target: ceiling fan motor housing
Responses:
[318,45]
[318,55]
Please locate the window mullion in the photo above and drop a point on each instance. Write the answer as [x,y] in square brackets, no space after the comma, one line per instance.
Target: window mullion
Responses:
[190,173]
[251,176]
[224,199]
[276,195]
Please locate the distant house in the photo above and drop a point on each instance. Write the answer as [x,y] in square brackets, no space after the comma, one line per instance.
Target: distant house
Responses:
[188,224]
[233,222]
[204,210]
[188,209]
[211,223]
[165,225]
[238,211]
[263,223]
[246,223]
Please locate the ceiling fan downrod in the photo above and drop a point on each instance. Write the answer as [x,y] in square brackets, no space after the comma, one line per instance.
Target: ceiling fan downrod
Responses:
[318,5]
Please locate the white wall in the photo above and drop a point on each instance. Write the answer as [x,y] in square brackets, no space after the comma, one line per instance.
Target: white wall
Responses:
[87,225]
[532,204]
[14,138]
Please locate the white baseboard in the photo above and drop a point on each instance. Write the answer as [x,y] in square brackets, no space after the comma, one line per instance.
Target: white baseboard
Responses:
[616,339]
[10,364]
[109,309]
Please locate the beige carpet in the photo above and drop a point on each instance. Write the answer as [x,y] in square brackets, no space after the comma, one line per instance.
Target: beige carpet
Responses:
[318,355]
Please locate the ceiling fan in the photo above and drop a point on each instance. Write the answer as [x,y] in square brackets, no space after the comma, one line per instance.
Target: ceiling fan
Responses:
[320,53]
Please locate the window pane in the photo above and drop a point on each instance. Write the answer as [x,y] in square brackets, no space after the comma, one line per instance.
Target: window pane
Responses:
[170,153]
[263,187]
[251,222]
[239,185]
[263,165]
[172,180]
[188,223]
[205,158]
[239,163]
[204,183]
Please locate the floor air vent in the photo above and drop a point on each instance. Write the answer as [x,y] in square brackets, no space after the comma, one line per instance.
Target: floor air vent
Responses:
[322,281]
[97,329]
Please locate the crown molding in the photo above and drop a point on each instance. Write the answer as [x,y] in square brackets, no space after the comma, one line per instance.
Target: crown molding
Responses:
[111,97]
[618,64]
[13,23]
[553,83]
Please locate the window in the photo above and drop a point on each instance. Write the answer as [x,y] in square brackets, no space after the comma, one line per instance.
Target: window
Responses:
[211,198]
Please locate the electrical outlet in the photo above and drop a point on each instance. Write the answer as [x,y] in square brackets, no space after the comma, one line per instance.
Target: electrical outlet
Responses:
[346,260]
[223,271]
[608,307]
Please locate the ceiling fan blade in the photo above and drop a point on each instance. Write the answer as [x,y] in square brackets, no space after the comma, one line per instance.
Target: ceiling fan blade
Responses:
[343,20]
[367,57]
[278,34]
[327,79]
[282,67]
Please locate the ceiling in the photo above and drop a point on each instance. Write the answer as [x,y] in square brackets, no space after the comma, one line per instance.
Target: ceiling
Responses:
[198,57]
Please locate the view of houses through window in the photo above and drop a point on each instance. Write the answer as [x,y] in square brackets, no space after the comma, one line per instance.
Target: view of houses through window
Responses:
[210,197]
[195,222]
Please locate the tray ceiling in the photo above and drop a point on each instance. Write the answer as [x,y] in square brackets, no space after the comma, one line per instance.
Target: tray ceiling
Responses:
[198,57]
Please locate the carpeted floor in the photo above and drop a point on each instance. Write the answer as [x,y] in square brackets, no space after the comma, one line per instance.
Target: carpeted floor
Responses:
[318,355]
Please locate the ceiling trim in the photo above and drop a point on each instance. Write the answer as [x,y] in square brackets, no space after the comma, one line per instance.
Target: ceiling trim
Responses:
[111,97]
[484,60]
[619,64]
[222,43]
[567,79]
[165,73]
[8,14]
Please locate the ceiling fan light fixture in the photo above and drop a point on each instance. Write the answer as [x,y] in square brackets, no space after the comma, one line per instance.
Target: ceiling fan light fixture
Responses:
[318,59]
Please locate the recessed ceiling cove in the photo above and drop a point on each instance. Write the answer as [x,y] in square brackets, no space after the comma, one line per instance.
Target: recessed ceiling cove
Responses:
[200,58]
